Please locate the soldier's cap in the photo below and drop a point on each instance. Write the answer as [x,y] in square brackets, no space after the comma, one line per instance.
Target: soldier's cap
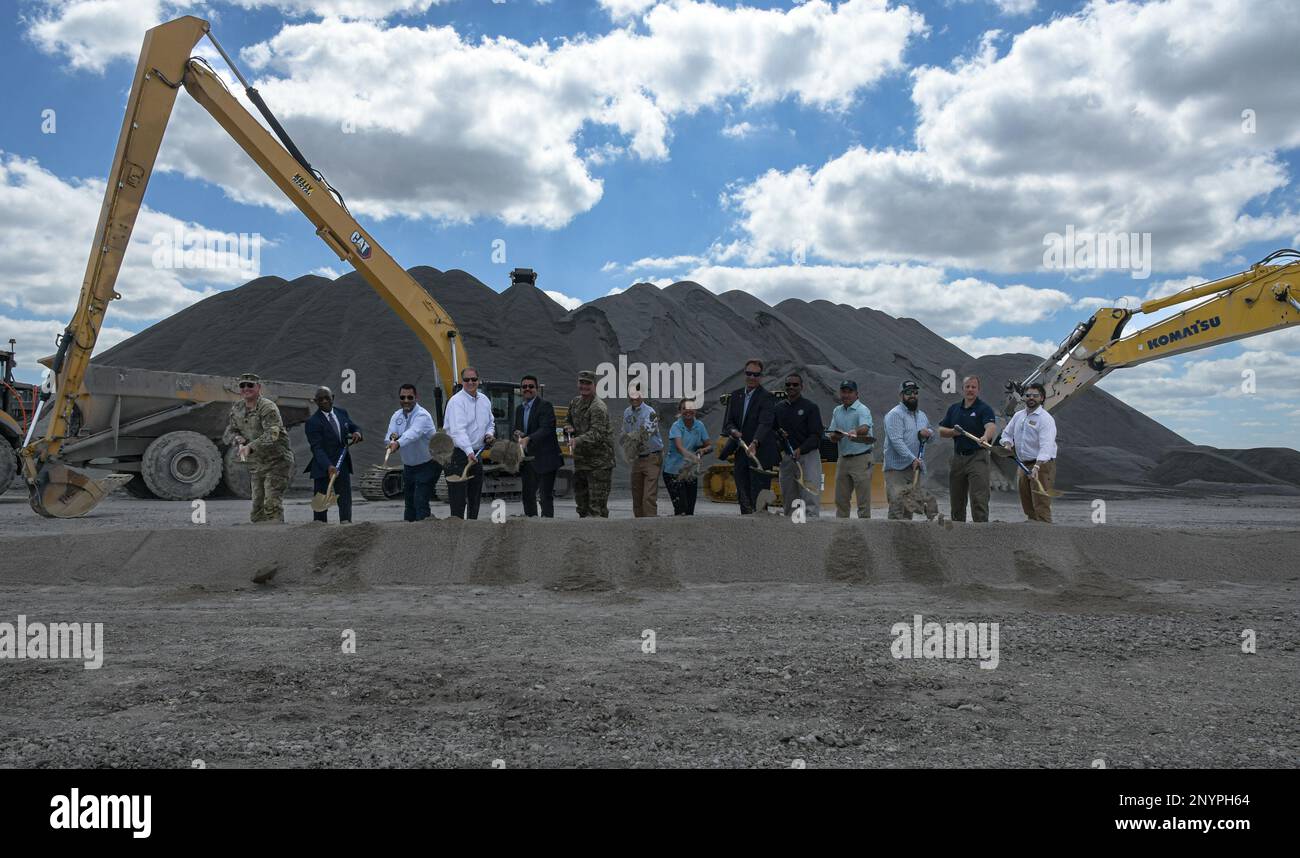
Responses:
[848,384]
[251,376]
[909,385]
[587,375]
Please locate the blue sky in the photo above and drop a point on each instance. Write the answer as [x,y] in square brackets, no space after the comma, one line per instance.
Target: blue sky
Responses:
[905,156]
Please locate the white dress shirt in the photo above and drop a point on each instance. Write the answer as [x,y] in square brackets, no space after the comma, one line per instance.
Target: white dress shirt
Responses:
[1033,433]
[469,421]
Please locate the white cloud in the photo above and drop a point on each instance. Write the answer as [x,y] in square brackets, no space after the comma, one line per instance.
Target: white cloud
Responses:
[507,144]
[49,225]
[621,10]
[609,266]
[36,340]
[739,131]
[980,346]
[1123,117]
[565,301]
[948,306]
[327,271]
[658,262]
[1015,7]
[91,33]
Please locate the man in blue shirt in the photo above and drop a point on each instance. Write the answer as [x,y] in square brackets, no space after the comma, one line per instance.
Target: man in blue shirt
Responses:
[906,426]
[799,422]
[968,472]
[851,429]
[409,432]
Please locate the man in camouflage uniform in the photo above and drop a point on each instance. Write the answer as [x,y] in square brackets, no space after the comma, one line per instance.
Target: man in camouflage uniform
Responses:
[255,425]
[593,448]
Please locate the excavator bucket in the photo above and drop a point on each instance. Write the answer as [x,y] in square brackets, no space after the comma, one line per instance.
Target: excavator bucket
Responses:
[64,492]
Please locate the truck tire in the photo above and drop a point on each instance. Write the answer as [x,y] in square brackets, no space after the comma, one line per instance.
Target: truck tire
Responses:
[181,466]
[8,464]
[235,479]
[137,489]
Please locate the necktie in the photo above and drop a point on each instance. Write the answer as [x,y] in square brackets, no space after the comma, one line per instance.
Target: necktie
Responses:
[338,433]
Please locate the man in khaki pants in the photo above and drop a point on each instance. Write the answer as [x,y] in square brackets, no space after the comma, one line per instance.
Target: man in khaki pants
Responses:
[647,456]
[1031,437]
[851,429]
[968,472]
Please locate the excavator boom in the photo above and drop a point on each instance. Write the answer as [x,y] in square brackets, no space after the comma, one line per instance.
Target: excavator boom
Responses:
[1264,298]
[165,66]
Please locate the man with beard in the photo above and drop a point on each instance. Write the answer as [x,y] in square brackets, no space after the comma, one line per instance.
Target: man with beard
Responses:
[1031,437]
[906,426]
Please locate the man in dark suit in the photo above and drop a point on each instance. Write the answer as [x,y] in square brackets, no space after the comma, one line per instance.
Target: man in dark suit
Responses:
[534,427]
[750,419]
[329,431]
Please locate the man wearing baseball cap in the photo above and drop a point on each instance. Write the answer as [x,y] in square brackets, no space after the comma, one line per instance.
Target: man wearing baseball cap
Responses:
[851,429]
[587,426]
[255,425]
[906,430]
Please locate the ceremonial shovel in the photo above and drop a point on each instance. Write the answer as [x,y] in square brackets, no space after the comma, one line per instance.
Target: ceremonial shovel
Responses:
[1035,485]
[321,502]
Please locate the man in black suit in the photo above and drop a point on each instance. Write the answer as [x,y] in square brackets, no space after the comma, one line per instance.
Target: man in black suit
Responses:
[329,431]
[534,427]
[750,419]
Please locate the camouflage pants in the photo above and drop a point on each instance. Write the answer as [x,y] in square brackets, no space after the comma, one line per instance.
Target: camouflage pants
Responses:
[269,484]
[591,491]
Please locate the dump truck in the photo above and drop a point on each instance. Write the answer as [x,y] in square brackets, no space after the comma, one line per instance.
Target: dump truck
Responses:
[160,430]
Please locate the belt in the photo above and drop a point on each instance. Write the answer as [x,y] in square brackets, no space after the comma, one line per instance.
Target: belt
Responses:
[851,455]
[646,455]
[970,452]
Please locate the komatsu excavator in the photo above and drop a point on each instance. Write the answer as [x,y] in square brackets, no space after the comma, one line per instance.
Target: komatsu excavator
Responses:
[166,65]
[1264,298]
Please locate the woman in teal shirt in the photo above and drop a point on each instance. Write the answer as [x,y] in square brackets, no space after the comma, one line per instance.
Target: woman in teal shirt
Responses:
[687,439]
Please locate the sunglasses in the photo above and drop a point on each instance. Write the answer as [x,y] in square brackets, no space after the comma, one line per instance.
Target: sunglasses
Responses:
[246,385]
[406,398]
[753,374]
[470,380]
[793,384]
[528,386]
[584,381]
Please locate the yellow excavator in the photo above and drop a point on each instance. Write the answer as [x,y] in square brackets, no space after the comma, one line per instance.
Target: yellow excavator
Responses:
[1264,298]
[166,65]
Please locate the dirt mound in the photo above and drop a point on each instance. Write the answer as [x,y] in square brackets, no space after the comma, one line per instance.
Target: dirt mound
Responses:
[1205,465]
[1281,463]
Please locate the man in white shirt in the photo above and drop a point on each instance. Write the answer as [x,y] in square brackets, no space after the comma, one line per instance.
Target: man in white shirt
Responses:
[472,428]
[1031,438]
[409,431]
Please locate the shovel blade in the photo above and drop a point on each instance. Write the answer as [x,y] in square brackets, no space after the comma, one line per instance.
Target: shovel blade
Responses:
[61,491]
[320,502]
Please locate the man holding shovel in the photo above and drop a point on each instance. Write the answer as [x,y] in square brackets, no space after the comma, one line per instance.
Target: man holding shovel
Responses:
[968,472]
[409,431]
[473,429]
[851,429]
[1031,437]
[749,423]
[906,431]
[329,432]
[799,422]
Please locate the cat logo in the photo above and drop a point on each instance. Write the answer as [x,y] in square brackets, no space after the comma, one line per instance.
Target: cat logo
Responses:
[362,245]
[302,184]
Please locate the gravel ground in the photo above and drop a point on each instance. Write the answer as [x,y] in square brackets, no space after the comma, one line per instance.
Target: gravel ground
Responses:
[551,670]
